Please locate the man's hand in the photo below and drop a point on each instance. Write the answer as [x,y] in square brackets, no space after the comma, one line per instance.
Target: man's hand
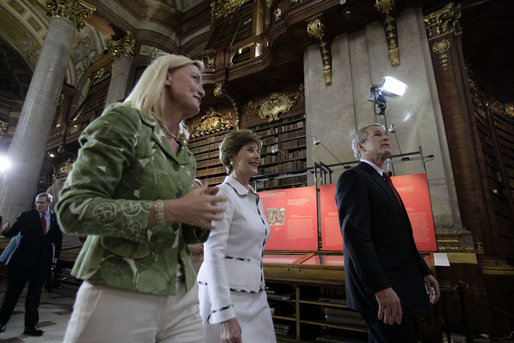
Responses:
[6,227]
[230,331]
[389,306]
[432,287]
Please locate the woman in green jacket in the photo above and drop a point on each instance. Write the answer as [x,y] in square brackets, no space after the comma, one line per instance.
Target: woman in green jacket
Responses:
[131,191]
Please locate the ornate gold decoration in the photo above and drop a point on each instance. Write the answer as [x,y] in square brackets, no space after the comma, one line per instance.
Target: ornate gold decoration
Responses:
[214,122]
[454,241]
[316,29]
[66,167]
[492,266]
[224,8]
[100,75]
[3,128]
[73,10]
[276,104]
[440,48]
[124,47]
[385,7]
[221,92]
[444,21]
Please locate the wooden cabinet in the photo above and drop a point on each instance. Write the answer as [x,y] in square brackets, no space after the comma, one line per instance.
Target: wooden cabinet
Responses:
[308,304]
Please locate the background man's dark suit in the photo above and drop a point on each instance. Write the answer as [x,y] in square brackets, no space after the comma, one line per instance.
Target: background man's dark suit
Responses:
[30,263]
[385,274]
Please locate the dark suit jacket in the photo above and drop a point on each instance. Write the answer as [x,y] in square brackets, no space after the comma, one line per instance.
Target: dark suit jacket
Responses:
[35,249]
[379,249]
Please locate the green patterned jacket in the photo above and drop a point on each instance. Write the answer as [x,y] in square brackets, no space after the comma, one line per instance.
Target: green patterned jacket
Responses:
[124,163]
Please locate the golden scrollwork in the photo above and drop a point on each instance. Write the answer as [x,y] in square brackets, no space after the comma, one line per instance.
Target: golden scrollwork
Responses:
[214,122]
[385,8]
[75,11]
[276,104]
[221,92]
[124,47]
[3,128]
[440,48]
[316,29]
[224,8]
[101,74]
[444,21]
[66,167]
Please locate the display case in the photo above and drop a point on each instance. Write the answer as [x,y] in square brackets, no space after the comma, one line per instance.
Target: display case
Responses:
[307,299]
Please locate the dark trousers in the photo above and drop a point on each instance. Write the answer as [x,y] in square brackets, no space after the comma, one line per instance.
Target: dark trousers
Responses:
[17,278]
[378,332]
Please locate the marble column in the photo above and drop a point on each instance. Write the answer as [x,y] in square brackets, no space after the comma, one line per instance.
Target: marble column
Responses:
[123,51]
[27,151]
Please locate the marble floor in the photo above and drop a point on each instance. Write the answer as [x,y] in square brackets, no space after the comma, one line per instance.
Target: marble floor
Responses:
[54,313]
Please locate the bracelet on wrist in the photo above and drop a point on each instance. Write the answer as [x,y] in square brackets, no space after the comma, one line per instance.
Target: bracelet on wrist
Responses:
[159,212]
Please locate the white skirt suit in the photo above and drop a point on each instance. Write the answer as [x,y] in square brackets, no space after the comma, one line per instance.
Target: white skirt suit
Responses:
[231,279]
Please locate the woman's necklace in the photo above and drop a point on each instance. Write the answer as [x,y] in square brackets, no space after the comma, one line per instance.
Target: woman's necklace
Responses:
[168,132]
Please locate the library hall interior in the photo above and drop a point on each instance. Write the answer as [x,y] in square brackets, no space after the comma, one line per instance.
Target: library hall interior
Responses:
[256,171]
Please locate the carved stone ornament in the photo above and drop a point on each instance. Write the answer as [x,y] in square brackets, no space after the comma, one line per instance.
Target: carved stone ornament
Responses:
[385,7]
[124,47]
[440,48]
[316,29]
[73,10]
[276,104]
[214,122]
[224,8]
[444,21]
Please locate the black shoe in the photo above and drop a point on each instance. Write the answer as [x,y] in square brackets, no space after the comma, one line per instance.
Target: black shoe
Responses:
[33,331]
[2,327]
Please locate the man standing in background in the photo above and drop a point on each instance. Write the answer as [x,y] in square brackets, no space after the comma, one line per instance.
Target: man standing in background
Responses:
[39,246]
[387,280]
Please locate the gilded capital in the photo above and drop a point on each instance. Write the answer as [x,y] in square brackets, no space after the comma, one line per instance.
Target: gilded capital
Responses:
[124,47]
[444,21]
[74,11]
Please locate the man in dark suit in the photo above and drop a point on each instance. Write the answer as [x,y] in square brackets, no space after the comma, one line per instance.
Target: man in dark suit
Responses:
[40,245]
[387,280]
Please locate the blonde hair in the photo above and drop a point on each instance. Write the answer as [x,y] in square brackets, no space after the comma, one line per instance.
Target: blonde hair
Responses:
[233,142]
[148,94]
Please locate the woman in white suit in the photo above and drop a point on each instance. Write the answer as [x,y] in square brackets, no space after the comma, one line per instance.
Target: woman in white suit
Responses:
[233,302]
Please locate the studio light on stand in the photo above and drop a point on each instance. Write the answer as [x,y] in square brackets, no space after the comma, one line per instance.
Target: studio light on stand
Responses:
[389,87]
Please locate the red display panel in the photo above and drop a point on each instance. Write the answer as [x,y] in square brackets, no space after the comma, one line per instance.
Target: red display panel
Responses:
[292,215]
[331,238]
[413,190]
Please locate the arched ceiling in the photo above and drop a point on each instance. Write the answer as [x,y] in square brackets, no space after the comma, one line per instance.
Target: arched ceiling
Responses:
[487,36]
